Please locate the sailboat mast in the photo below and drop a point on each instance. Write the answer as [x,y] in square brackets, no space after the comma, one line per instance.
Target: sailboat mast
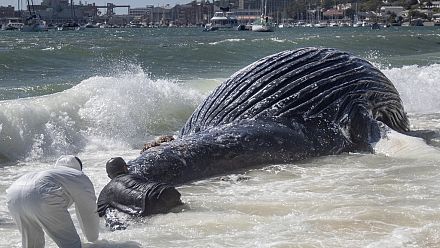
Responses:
[265,8]
[72,6]
[33,8]
[29,8]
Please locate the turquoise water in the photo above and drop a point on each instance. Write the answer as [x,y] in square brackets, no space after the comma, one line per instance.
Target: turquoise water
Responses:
[104,93]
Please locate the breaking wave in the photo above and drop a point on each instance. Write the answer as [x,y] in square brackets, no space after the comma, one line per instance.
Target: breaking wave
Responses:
[121,110]
[128,108]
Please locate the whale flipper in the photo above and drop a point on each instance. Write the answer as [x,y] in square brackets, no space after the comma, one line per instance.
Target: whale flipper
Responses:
[238,145]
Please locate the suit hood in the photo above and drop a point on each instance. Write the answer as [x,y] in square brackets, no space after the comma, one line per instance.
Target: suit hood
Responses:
[69,161]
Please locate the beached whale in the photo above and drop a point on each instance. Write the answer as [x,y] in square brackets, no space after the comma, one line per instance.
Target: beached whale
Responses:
[283,108]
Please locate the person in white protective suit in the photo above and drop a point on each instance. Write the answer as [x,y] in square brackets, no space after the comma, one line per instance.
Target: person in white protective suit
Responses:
[39,201]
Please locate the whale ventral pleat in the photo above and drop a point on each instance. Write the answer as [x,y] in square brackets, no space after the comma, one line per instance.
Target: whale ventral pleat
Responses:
[306,82]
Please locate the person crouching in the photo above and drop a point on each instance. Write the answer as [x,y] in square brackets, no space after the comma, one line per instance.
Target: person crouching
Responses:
[39,201]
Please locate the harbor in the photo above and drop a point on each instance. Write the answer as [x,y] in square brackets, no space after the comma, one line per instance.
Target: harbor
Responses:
[65,15]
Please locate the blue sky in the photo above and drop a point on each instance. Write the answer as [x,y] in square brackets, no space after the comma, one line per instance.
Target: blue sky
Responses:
[132,3]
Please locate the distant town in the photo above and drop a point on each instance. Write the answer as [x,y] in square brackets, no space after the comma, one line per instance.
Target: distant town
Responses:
[282,13]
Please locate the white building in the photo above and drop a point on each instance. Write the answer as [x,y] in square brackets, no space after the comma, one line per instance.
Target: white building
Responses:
[435,4]
[141,12]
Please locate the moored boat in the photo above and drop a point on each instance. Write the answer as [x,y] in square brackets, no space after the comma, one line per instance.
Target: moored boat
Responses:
[13,25]
[34,24]
[222,20]
[263,24]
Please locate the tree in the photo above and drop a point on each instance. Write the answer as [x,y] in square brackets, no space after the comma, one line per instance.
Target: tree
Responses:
[327,4]
[415,14]
[297,9]
[371,5]
[391,17]
[409,3]
[350,13]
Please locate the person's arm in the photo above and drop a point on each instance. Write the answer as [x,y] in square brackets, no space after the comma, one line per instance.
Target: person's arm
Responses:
[86,209]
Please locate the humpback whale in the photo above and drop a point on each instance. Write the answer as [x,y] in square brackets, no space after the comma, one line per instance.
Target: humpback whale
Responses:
[286,107]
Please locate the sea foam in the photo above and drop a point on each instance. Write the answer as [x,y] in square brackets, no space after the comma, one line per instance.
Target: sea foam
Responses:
[124,110]
[418,87]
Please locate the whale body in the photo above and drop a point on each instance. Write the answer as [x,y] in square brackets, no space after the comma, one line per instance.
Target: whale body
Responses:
[285,107]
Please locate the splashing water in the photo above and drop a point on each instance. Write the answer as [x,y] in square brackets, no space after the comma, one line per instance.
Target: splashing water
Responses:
[418,87]
[124,109]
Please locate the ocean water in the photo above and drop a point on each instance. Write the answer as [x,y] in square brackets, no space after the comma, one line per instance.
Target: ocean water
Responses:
[104,93]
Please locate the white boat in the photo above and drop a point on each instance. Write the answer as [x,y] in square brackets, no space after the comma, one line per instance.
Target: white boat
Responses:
[333,24]
[222,20]
[104,25]
[320,25]
[69,26]
[356,22]
[91,25]
[263,24]
[12,25]
[34,24]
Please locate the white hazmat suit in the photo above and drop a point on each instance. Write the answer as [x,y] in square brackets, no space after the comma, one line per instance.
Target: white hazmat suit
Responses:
[39,200]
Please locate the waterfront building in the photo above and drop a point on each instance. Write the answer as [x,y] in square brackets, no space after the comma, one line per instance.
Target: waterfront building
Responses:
[246,9]
[272,5]
[247,16]
[60,11]
[141,15]
[8,11]
[162,16]
[434,4]
[193,13]
[8,15]
[145,12]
